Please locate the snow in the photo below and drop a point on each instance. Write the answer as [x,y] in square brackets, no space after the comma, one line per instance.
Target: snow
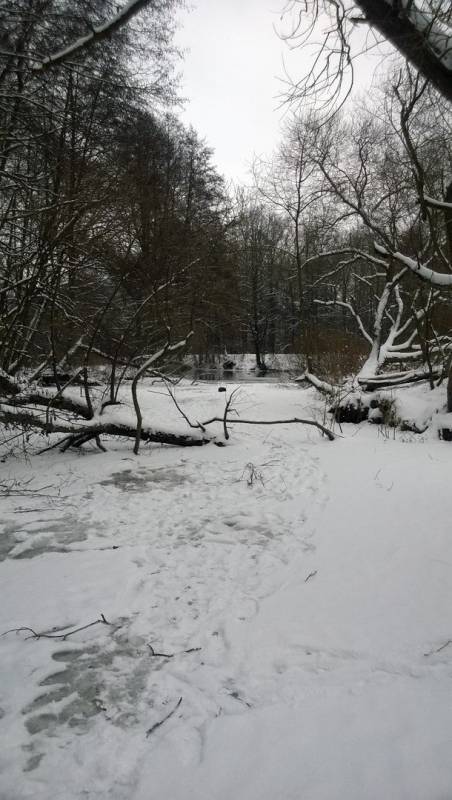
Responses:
[423,272]
[301,587]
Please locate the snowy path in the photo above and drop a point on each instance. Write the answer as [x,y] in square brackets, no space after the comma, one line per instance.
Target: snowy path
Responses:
[347,702]
[297,612]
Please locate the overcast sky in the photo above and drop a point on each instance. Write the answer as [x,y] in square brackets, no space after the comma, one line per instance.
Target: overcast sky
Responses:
[230,77]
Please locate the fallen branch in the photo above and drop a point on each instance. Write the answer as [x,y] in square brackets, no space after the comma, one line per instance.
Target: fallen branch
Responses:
[181,410]
[50,401]
[438,650]
[227,408]
[388,380]
[321,386]
[167,348]
[17,489]
[171,655]
[170,714]
[312,422]
[78,434]
[159,655]
[62,636]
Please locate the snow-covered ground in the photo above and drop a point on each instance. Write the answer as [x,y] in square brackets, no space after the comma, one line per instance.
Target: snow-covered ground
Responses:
[300,591]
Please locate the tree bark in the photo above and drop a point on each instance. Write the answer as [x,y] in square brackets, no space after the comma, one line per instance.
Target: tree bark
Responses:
[395,25]
[449,389]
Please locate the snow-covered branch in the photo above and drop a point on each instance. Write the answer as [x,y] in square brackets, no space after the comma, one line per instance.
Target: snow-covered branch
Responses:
[78,433]
[423,272]
[96,34]
[415,29]
[352,311]
[431,201]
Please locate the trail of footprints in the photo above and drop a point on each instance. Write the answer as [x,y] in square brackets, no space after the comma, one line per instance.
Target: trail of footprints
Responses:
[199,571]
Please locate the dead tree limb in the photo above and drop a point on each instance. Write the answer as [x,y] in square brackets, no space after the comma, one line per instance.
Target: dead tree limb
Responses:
[170,714]
[438,649]
[77,434]
[62,636]
[167,348]
[312,422]
[56,402]
[181,411]
[171,655]
[321,386]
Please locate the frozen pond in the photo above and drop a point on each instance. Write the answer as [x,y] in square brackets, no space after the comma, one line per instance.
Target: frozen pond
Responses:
[241,368]
[240,375]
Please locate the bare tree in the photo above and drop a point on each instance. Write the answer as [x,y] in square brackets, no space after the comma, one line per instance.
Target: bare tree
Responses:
[380,172]
[96,32]
[421,30]
[422,33]
[286,183]
[259,243]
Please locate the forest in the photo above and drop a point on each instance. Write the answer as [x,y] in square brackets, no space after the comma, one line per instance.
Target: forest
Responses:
[119,239]
[267,613]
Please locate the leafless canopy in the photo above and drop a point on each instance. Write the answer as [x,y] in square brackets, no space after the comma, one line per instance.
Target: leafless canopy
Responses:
[421,30]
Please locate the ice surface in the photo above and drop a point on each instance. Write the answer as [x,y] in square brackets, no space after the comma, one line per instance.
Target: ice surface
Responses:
[295,593]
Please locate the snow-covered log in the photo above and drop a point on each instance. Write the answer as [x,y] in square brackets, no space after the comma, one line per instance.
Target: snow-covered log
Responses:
[78,433]
[28,405]
[322,386]
[392,379]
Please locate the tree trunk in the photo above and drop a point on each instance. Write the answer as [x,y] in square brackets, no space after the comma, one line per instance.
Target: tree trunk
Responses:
[449,389]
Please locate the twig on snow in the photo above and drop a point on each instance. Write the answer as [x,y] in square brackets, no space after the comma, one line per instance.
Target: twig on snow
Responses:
[18,489]
[438,650]
[170,714]
[311,575]
[62,636]
[159,655]
[171,655]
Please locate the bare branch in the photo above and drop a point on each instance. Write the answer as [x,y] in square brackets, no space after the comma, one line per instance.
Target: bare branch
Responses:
[312,422]
[97,33]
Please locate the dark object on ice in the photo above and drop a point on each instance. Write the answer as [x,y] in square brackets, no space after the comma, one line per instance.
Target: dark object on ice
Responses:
[228,365]
[222,388]
[446,434]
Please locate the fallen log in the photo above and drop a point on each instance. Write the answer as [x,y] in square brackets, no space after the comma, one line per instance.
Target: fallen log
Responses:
[78,433]
[50,401]
[391,381]
[322,386]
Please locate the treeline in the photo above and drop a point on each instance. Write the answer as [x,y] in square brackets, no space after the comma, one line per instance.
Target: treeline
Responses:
[117,233]
[367,202]
[106,199]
